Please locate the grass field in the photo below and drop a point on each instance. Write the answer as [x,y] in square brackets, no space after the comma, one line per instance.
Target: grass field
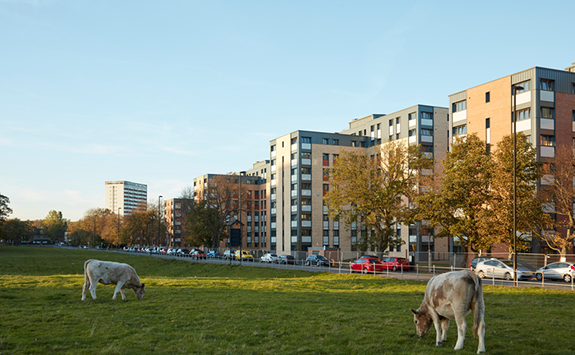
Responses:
[196,308]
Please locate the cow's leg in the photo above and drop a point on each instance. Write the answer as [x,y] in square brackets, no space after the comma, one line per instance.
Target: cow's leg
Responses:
[123,295]
[481,336]
[461,329]
[444,326]
[117,289]
[93,285]
[437,325]
[85,287]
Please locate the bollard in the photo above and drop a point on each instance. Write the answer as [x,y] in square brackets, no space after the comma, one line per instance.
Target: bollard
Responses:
[433,270]
[417,271]
[402,271]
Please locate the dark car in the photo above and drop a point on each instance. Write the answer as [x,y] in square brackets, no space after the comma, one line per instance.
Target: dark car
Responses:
[286,259]
[317,260]
[182,252]
[198,254]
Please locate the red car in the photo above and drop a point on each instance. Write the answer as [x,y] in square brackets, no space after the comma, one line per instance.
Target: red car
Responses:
[198,254]
[394,263]
[366,264]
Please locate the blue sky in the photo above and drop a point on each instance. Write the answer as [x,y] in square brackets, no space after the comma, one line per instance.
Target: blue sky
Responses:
[160,92]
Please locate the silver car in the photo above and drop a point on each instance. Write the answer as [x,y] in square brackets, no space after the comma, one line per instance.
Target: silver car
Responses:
[556,271]
[503,269]
[269,258]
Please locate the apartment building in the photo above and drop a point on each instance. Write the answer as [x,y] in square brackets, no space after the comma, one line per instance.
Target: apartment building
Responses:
[254,216]
[298,182]
[425,125]
[299,178]
[176,210]
[123,197]
[545,104]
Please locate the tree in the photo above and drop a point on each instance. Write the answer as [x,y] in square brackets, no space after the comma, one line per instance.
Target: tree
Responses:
[4,210]
[373,190]
[94,222]
[54,226]
[558,195]
[457,201]
[218,204]
[16,230]
[530,214]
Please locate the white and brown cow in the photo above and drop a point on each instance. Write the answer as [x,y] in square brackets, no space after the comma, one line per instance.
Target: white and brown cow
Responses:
[452,295]
[108,272]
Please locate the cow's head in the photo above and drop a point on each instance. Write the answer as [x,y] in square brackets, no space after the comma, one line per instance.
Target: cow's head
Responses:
[422,322]
[139,291]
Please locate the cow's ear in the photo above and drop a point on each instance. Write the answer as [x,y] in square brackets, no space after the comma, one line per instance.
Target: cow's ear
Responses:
[415,312]
[142,285]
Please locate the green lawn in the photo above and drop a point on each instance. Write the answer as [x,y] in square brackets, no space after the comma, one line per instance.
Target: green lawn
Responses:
[195,308]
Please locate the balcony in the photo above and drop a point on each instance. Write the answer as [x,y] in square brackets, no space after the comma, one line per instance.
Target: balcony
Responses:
[294,209]
[306,146]
[460,116]
[547,123]
[306,161]
[294,178]
[294,162]
[325,225]
[306,208]
[294,193]
[306,224]
[294,224]
[306,177]
[306,192]
[294,147]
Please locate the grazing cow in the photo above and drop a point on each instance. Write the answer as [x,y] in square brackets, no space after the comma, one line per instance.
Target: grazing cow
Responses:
[108,272]
[452,295]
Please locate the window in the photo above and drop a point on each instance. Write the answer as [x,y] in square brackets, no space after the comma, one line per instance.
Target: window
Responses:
[273,148]
[411,116]
[547,112]
[335,156]
[573,88]
[427,148]
[325,174]
[459,106]
[411,132]
[573,115]
[354,144]
[397,120]
[306,170]
[397,136]
[487,97]
[547,141]
[293,140]
[335,142]
[306,155]
[547,84]
[526,85]
[390,123]
[306,186]
[426,132]
[325,158]
[523,114]
[391,137]
[426,115]
[325,141]
[306,139]
[459,130]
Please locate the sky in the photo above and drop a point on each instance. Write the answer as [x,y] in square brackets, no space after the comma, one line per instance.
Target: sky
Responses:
[161,92]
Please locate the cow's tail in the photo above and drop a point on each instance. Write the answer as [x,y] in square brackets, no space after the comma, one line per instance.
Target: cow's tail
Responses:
[479,308]
[86,278]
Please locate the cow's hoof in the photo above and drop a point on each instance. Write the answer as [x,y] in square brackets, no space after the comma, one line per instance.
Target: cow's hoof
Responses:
[438,344]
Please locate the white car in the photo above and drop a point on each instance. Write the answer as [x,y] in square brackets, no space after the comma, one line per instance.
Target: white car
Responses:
[269,258]
[503,269]
[556,271]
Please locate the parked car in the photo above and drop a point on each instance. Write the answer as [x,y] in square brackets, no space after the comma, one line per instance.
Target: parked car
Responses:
[556,271]
[212,254]
[366,264]
[317,260]
[395,263]
[229,254]
[503,269]
[182,252]
[474,262]
[246,255]
[269,258]
[286,259]
[163,251]
[198,254]
[171,251]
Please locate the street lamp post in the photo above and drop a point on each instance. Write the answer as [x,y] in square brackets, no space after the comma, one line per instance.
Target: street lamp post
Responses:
[159,218]
[118,245]
[514,128]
